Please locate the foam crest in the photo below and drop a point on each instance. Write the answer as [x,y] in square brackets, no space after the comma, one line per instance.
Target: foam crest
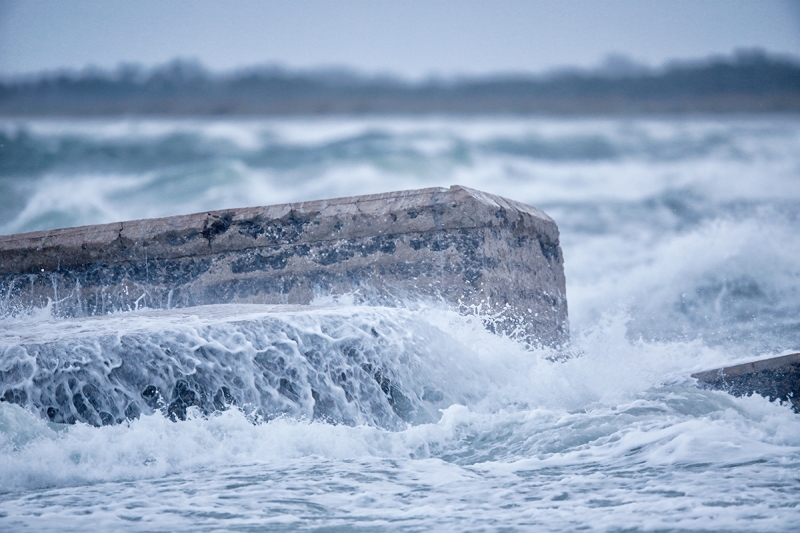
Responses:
[125,169]
[680,244]
[728,281]
[618,422]
[351,365]
[619,403]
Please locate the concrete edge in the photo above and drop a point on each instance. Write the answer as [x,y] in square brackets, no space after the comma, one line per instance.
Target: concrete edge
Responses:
[747,368]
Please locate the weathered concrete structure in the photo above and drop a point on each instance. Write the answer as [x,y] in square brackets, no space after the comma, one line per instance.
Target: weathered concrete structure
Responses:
[777,378]
[475,251]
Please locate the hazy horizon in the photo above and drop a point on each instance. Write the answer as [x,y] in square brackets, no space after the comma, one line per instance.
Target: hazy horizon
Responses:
[410,40]
[613,65]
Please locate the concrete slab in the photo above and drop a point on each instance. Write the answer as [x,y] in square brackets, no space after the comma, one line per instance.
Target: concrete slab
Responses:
[776,378]
[477,252]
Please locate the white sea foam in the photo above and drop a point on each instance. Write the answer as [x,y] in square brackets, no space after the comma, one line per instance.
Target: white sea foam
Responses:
[680,245]
[615,437]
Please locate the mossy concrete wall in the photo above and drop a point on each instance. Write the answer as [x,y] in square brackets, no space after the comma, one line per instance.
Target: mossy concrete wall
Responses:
[475,251]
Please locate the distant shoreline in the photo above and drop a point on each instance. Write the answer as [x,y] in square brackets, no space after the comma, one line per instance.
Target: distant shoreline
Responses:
[751,83]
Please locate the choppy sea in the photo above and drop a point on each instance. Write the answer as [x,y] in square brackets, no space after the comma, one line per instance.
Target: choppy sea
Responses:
[681,239]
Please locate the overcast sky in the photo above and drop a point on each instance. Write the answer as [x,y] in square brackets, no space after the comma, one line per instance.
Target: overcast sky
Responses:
[411,38]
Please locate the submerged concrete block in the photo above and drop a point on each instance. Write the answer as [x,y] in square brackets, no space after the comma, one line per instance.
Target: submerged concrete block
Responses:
[776,378]
[477,252]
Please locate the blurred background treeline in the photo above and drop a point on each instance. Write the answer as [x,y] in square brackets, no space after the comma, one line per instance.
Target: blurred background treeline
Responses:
[747,81]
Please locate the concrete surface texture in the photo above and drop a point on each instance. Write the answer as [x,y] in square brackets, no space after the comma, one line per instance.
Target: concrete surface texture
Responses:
[475,252]
[776,378]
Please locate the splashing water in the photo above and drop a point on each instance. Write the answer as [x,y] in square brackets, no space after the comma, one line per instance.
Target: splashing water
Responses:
[680,245]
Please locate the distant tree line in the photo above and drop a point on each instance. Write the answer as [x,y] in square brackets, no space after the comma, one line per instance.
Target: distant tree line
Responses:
[749,81]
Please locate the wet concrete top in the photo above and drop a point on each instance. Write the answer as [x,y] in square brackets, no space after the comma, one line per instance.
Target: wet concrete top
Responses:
[477,252]
[208,233]
[775,378]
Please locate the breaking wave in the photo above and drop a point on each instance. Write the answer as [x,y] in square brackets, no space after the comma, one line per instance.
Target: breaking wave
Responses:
[680,248]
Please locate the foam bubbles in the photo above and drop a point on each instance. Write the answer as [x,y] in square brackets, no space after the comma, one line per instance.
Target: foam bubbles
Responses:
[679,237]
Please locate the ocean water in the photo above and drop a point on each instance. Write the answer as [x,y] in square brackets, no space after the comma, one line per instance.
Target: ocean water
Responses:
[680,238]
